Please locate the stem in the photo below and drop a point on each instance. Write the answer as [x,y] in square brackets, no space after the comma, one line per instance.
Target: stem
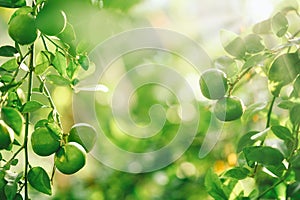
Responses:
[232,85]
[47,94]
[56,45]
[27,121]
[267,125]
[270,112]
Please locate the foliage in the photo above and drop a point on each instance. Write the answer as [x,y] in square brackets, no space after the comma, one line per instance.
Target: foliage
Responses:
[269,157]
[34,67]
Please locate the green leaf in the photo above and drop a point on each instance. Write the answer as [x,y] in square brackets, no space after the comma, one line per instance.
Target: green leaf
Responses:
[293,190]
[282,133]
[256,60]
[277,169]
[253,44]
[39,180]
[57,80]
[233,44]
[10,65]
[14,162]
[264,155]
[214,186]
[279,24]
[286,104]
[10,190]
[72,69]
[60,63]
[294,115]
[31,106]
[296,88]
[237,173]
[246,140]
[12,118]
[43,60]
[8,51]
[40,123]
[283,71]
[263,27]
[12,3]
[55,130]
[84,62]
[228,65]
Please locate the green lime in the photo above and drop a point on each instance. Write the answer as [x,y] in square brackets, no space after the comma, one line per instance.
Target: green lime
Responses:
[6,135]
[51,21]
[22,29]
[44,143]
[83,134]
[70,158]
[229,108]
[213,84]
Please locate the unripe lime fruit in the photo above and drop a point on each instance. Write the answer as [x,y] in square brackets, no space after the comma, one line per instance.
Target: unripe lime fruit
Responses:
[44,143]
[83,134]
[70,158]
[22,29]
[213,84]
[6,135]
[229,108]
[51,21]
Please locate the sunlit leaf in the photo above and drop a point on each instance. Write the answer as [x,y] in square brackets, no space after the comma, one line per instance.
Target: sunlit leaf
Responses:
[12,118]
[214,186]
[283,71]
[279,24]
[233,44]
[228,65]
[31,106]
[71,69]
[60,63]
[84,62]
[253,43]
[57,80]
[39,180]
[43,61]
[10,65]
[263,27]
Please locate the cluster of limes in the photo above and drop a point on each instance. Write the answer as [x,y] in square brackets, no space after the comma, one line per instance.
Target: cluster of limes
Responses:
[70,153]
[214,86]
[23,26]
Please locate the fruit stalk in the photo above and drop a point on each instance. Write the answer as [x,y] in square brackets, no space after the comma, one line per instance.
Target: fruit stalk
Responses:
[27,121]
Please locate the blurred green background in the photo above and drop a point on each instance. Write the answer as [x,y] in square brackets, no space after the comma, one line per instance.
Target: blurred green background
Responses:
[200,21]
